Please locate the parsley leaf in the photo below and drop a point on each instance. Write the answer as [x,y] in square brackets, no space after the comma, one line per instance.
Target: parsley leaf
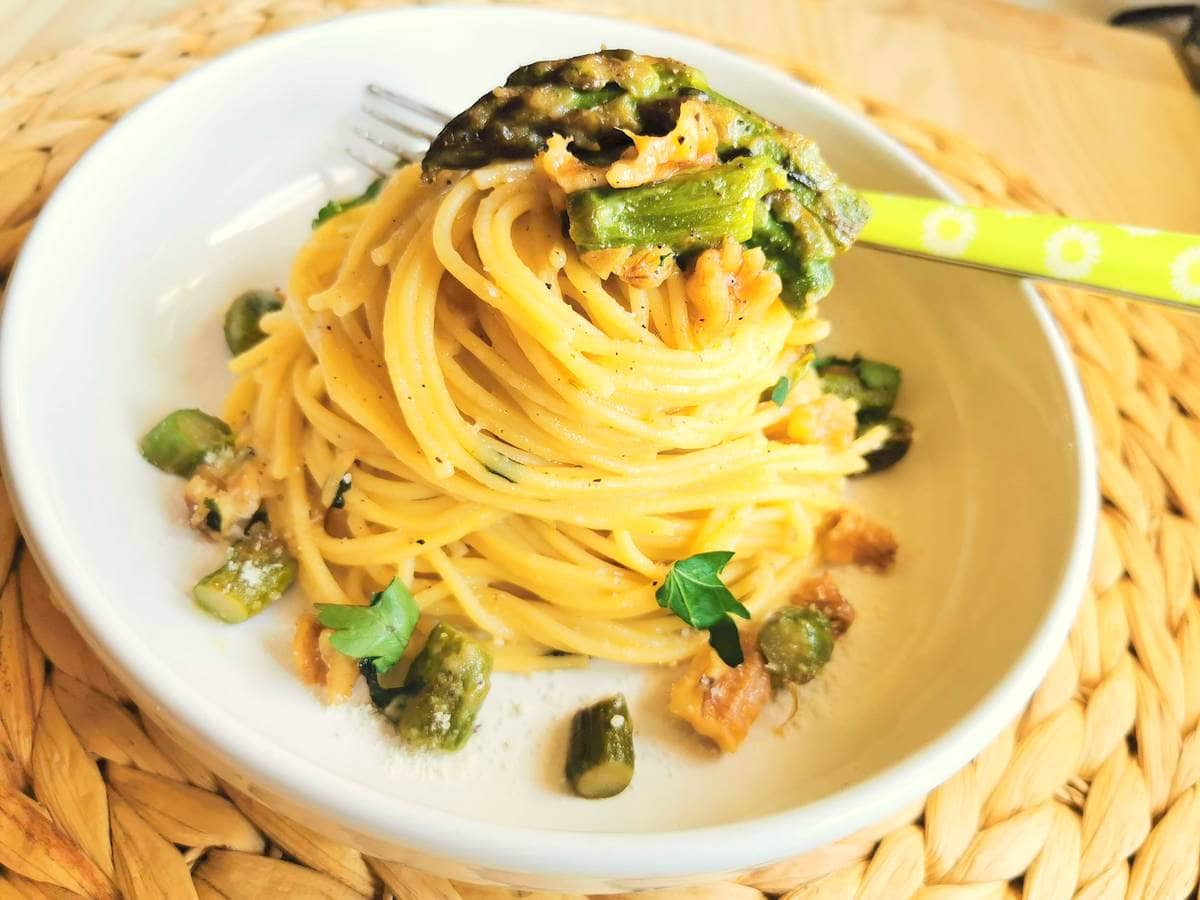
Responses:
[378,632]
[723,637]
[693,590]
[337,207]
[781,390]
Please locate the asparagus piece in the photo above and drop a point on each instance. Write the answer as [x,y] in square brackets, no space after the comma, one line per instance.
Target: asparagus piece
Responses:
[900,437]
[690,210]
[874,385]
[256,571]
[442,693]
[185,439]
[242,330]
[835,208]
[600,755]
[796,643]
[805,277]
[592,99]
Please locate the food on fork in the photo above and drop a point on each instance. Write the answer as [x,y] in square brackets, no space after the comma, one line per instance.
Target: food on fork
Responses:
[552,396]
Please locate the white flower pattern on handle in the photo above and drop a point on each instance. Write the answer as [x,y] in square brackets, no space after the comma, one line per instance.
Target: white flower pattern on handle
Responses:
[1185,274]
[1139,231]
[1072,252]
[1140,262]
[948,230]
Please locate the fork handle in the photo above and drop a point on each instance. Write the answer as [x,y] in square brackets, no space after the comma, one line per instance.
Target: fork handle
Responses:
[1140,262]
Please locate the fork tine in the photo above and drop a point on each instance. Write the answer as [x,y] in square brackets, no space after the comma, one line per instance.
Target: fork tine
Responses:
[363,161]
[384,144]
[397,125]
[378,90]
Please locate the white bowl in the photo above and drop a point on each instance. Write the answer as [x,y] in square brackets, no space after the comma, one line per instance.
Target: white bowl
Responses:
[113,317]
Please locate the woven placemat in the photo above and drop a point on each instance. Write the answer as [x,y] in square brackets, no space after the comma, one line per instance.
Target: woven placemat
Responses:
[1091,794]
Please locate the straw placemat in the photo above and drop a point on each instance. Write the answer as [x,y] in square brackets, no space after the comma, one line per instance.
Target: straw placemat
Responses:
[1091,794]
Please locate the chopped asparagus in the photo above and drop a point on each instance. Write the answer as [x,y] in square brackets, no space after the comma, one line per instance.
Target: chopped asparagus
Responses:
[694,209]
[874,385]
[256,571]
[835,207]
[805,278]
[242,330]
[592,99]
[796,643]
[899,439]
[185,439]
[600,755]
[442,693]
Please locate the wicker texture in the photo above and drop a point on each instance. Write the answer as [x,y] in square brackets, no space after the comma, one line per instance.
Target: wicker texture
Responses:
[1093,793]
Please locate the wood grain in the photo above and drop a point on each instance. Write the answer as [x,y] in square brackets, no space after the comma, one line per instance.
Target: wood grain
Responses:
[1102,119]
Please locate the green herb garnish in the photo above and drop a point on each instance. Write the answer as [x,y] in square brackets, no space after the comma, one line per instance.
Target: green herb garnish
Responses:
[337,207]
[693,590]
[379,632]
[781,390]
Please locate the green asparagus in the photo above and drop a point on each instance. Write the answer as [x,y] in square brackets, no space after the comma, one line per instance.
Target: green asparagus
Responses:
[694,209]
[185,439]
[442,693]
[242,330]
[899,439]
[874,385]
[796,642]
[805,278]
[599,98]
[600,755]
[256,571]
[592,99]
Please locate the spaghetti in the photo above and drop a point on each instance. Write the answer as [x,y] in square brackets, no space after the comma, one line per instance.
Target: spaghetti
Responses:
[531,446]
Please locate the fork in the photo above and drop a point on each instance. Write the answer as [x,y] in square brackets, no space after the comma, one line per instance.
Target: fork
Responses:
[1140,263]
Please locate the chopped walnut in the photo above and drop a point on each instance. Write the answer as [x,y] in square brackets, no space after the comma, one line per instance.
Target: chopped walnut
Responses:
[318,663]
[822,593]
[691,144]
[827,419]
[720,702]
[853,538]
[224,494]
[724,281]
[645,268]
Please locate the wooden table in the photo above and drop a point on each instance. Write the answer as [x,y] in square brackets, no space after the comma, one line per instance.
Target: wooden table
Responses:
[1103,120]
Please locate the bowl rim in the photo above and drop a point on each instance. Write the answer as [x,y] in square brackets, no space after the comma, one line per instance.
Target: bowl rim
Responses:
[553,853]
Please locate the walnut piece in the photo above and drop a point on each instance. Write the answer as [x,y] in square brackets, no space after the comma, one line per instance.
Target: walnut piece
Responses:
[853,538]
[318,663]
[822,593]
[720,702]
[724,281]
